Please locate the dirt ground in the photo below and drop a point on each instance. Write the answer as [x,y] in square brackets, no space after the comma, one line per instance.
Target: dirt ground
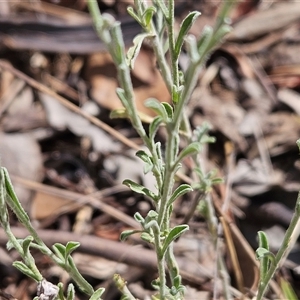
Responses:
[68,158]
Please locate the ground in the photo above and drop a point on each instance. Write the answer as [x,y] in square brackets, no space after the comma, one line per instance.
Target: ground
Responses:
[68,158]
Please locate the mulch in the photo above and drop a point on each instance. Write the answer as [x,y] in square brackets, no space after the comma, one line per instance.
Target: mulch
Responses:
[68,158]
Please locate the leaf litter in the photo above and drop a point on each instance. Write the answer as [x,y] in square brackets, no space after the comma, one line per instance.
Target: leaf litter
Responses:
[67,170]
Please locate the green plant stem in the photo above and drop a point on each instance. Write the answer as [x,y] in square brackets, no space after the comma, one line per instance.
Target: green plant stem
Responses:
[14,203]
[174,59]
[173,130]
[110,33]
[126,84]
[191,79]
[160,266]
[125,78]
[172,264]
[15,243]
[122,69]
[290,237]
[122,287]
[168,181]
[157,45]
[221,268]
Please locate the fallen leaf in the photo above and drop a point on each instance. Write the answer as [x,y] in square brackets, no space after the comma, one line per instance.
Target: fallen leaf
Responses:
[61,118]
[21,155]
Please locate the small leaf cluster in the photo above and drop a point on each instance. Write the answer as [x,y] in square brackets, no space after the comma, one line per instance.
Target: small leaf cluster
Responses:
[264,255]
[61,255]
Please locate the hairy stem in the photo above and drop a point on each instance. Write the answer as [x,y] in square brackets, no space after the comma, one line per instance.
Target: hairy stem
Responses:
[289,240]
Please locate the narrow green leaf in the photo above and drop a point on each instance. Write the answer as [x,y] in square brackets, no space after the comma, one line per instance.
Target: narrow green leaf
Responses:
[138,217]
[132,13]
[175,233]
[119,113]
[25,270]
[191,149]
[135,49]
[287,290]
[184,29]
[173,291]
[177,281]
[10,245]
[180,289]
[176,93]
[74,272]
[208,139]
[121,94]
[205,39]
[163,8]
[117,47]
[201,131]
[139,189]
[155,105]
[152,215]
[148,14]
[169,109]
[155,284]
[219,35]
[97,294]
[263,240]
[192,49]
[158,150]
[126,233]
[70,247]
[26,244]
[262,253]
[70,292]
[147,237]
[153,127]
[147,159]
[200,174]
[13,200]
[223,14]
[61,291]
[181,190]
[217,180]
[60,250]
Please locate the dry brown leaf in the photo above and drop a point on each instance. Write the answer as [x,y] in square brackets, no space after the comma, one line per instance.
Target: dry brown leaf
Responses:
[251,178]
[104,92]
[145,68]
[103,77]
[97,266]
[82,224]
[21,155]
[61,118]
[286,76]
[265,21]
[48,206]
[220,113]
[290,98]
[5,82]
[62,14]
[281,131]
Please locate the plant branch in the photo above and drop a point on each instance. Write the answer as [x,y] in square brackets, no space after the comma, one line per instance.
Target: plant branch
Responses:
[289,240]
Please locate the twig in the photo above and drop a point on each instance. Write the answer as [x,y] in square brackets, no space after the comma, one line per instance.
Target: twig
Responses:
[116,251]
[94,199]
[44,89]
